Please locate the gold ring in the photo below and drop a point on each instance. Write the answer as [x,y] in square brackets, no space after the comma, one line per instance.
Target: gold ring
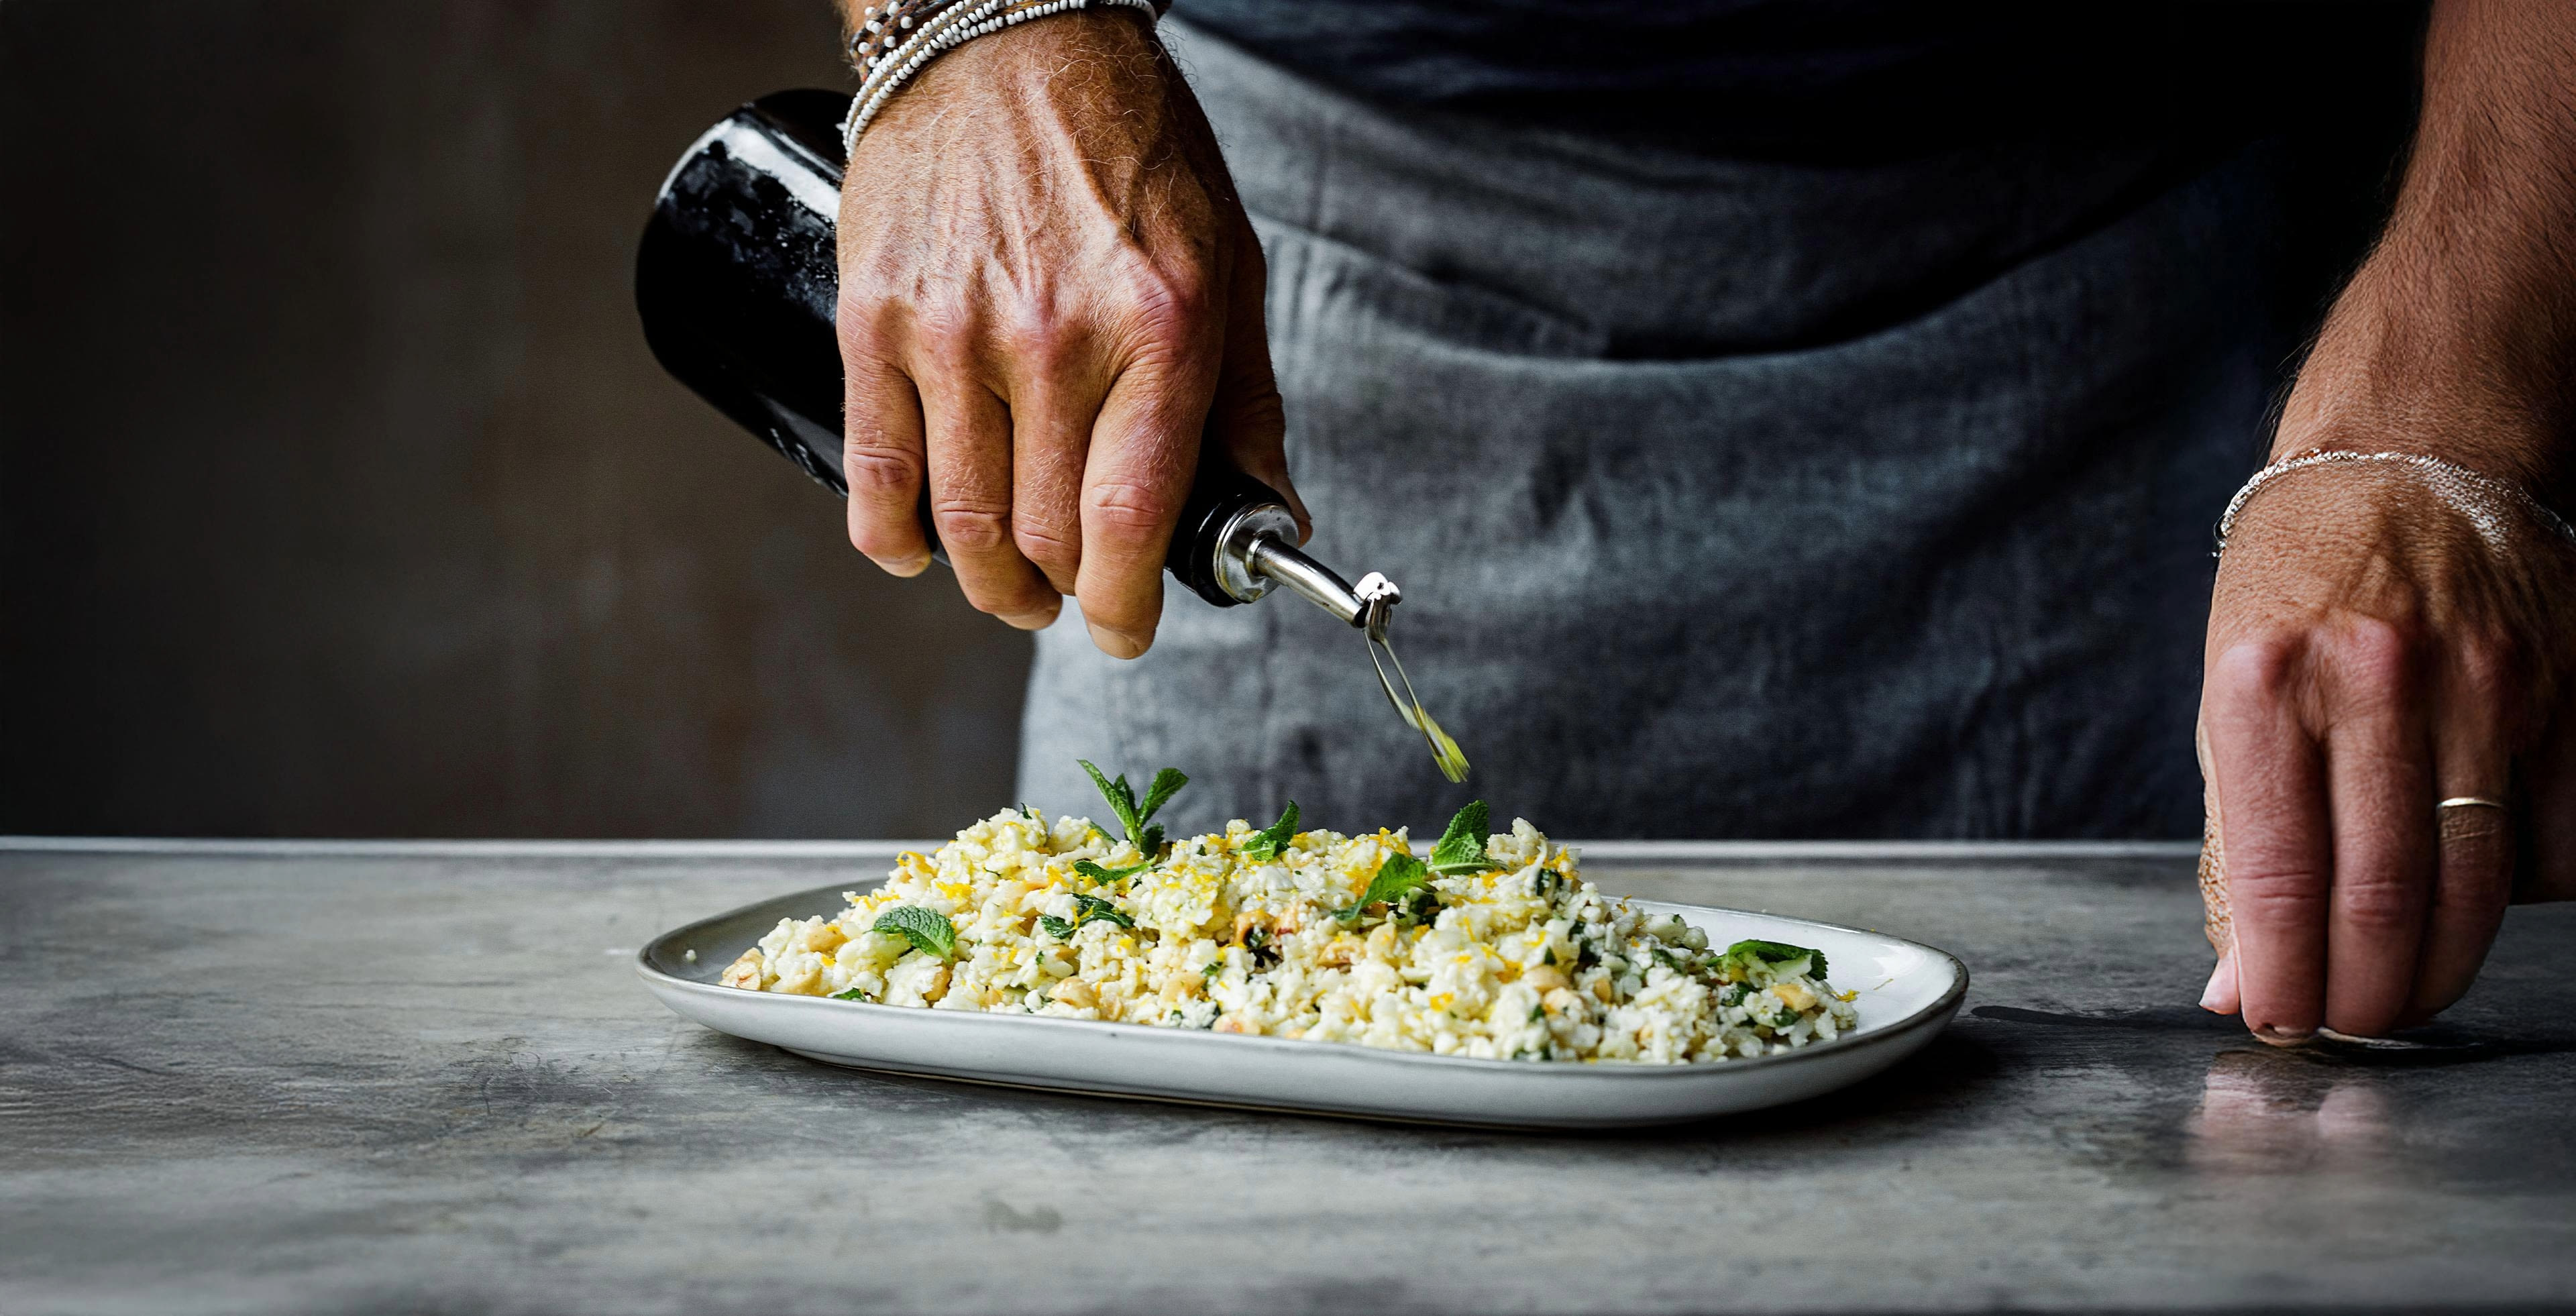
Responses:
[2470,801]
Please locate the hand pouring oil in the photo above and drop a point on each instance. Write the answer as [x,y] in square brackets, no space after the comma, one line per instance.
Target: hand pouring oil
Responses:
[736,282]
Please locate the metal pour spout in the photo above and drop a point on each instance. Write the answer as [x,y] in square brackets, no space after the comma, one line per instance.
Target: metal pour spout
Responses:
[1258,549]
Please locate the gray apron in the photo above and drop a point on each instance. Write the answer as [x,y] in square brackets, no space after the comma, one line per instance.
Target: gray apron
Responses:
[1729,499]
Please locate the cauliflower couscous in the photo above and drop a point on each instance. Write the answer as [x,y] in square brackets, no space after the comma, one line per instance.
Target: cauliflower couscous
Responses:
[1492,946]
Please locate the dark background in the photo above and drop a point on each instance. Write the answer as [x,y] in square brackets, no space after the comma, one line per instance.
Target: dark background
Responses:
[338,493]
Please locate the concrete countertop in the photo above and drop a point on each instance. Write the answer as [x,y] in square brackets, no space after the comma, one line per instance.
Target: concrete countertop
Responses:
[377,1077]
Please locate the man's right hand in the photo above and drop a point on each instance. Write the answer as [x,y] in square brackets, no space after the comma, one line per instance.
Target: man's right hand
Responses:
[1049,293]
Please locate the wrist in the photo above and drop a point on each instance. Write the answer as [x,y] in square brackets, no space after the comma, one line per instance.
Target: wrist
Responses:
[992,44]
[2382,379]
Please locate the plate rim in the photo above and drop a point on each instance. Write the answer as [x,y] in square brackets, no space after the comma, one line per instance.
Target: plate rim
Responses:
[1938,1011]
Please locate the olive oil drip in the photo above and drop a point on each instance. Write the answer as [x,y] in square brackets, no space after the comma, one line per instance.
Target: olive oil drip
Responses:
[1444,749]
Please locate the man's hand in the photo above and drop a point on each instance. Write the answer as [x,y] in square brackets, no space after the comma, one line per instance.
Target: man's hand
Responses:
[2370,654]
[2375,646]
[1049,294]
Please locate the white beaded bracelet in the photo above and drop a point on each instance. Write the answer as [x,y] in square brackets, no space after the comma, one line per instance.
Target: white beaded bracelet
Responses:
[934,27]
[2480,497]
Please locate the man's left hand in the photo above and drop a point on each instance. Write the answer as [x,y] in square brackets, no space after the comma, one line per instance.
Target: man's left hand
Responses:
[2384,637]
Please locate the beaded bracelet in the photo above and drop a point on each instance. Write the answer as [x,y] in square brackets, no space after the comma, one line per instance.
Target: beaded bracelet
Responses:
[2480,497]
[893,40]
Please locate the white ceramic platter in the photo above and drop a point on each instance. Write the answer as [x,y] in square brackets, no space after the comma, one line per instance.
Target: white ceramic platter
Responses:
[1907,992]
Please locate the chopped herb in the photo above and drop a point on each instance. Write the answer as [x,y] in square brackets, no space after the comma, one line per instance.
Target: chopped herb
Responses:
[1537,1012]
[1089,908]
[1734,995]
[1132,815]
[1462,847]
[928,930]
[1784,1019]
[1773,952]
[1257,938]
[854,994]
[1027,812]
[1397,876]
[1266,844]
[1215,970]
[1548,956]
[1056,927]
[1422,906]
[1103,876]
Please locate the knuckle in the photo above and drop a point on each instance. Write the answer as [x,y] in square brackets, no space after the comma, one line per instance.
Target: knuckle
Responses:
[2278,897]
[859,321]
[1168,307]
[2490,670]
[1035,334]
[946,330]
[969,527]
[2378,905]
[2256,671]
[1056,549]
[1128,511]
[2374,658]
[874,466]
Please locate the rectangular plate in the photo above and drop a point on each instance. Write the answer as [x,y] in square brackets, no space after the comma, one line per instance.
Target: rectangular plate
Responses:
[1907,992]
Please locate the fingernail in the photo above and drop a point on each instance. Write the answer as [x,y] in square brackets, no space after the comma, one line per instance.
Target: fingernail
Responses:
[907,567]
[2209,995]
[1033,621]
[2283,1036]
[1113,643]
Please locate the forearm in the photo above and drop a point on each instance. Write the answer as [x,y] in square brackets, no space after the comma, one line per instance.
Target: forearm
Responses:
[2458,335]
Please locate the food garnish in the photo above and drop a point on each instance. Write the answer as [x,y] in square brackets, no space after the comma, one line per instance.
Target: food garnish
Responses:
[928,930]
[1133,815]
[1266,844]
[1462,847]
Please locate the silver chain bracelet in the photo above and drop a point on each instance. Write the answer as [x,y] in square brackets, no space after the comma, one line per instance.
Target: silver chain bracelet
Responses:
[2480,497]
[895,39]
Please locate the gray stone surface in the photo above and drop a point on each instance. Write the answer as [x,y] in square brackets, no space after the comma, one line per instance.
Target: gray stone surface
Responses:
[427,1079]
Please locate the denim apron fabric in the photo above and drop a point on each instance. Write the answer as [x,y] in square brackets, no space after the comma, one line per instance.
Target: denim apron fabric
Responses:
[1728,498]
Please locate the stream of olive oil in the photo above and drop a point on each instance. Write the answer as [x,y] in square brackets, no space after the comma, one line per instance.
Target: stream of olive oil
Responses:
[1444,748]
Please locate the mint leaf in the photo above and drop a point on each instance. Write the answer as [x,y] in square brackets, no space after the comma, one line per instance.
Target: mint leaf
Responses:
[1775,952]
[1093,907]
[1056,927]
[1122,801]
[1401,873]
[1462,847]
[1099,874]
[1266,844]
[1122,798]
[1167,783]
[928,930]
